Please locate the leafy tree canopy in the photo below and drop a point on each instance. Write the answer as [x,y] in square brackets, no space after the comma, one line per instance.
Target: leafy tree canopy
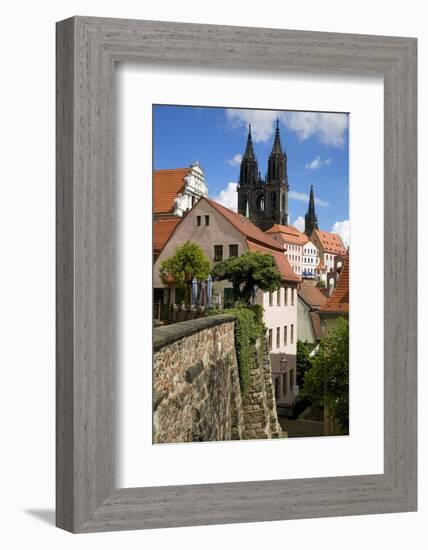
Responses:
[303,361]
[247,271]
[188,262]
[327,382]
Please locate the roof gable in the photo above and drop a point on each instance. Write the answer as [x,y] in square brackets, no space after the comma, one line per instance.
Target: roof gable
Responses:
[330,242]
[312,296]
[244,226]
[288,234]
[338,302]
[167,184]
[162,230]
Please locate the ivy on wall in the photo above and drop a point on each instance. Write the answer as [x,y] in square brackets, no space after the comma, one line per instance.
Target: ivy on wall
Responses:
[248,328]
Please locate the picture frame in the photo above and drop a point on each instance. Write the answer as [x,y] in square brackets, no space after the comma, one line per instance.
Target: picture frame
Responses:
[87,51]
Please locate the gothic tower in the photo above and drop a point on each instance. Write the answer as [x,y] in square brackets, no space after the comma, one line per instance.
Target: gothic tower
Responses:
[248,177]
[311,221]
[277,184]
[266,203]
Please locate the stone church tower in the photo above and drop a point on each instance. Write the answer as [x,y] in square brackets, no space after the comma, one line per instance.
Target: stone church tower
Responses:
[311,220]
[264,202]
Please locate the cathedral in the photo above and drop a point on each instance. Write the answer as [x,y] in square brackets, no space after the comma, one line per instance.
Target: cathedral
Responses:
[264,202]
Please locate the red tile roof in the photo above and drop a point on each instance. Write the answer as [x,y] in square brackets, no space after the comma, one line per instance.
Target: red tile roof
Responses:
[167,184]
[287,274]
[162,230]
[244,226]
[338,302]
[257,241]
[331,242]
[312,295]
[316,325]
[288,234]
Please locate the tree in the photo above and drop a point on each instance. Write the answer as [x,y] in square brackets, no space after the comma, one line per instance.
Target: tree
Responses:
[251,269]
[327,382]
[188,262]
[303,361]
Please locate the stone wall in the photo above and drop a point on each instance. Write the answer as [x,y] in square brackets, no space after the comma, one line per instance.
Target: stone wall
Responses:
[197,395]
[260,416]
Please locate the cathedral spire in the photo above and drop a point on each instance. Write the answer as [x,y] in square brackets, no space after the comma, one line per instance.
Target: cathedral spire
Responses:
[249,151]
[277,163]
[249,171]
[277,148]
[311,221]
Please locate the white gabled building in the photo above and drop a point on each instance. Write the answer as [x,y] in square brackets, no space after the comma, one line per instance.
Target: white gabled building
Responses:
[310,260]
[293,242]
[177,190]
[330,247]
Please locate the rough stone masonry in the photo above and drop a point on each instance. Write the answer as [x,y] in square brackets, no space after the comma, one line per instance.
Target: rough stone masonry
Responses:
[196,391]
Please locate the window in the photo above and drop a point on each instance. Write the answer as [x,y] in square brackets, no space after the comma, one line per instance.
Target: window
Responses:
[218,252]
[291,379]
[233,251]
[285,335]
[207,220]
[278,337]
[270,339]
[270,297]
[284,383]
[198,221]
[291,334]
[278,297]
[292,296]
[285,296]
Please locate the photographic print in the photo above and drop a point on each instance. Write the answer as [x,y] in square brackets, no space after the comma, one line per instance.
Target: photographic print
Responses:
[250,274]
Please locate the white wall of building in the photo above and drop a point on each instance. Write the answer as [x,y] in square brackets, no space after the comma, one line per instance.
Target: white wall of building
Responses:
[310,258]
[194,188]
[294,254]
[280,318]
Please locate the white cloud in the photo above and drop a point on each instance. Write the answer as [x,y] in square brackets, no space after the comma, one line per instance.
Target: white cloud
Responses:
[305,198]
[342,229]
[228,197]
[317,163]
[236,160]
[329,128]
[262,122]
[300,223]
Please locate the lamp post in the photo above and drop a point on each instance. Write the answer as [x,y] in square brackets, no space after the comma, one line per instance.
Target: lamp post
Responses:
[283,363]
[209,288]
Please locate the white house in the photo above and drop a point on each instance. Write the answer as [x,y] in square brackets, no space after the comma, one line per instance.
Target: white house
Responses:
[293,242]
[310,259]
[222,234]
[330,247]
[177,190]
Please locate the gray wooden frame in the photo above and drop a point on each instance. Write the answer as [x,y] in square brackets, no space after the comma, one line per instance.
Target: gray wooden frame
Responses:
[87,50]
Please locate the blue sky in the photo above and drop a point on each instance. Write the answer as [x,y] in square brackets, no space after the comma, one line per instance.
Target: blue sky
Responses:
[316,145]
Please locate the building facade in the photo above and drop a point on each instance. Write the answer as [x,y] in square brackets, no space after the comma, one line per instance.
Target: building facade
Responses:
[310,260]
[222,234]
[293,241]
[177,190]
[264,201]
[330,247]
